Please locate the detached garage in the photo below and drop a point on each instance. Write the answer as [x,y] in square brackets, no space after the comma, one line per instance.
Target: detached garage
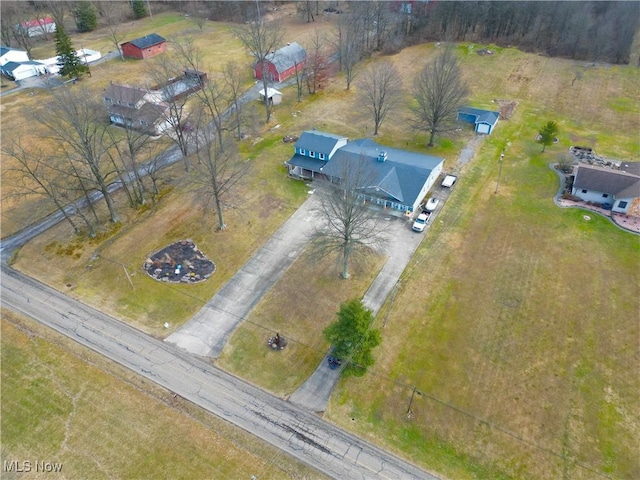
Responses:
[144,47]
[484,121]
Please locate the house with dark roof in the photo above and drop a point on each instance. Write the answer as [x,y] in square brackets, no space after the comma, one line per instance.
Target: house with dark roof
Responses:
[399,179]
[8,54]
[484,121]
[21,70]
[282,63]
[144,47]
[40,26]
[135,108]
[618,188]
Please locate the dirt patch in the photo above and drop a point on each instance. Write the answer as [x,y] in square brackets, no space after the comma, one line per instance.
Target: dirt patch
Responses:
[506,108]
[180,262]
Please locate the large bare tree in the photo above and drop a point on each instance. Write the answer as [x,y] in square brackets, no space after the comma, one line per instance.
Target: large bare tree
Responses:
[379,92]
[316,65]
[234,88]
[350,226]
[219,166]
[439,91]
[114,14]
[75,126]
[262,38]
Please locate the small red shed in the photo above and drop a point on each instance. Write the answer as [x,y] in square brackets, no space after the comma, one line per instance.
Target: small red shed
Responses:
[282,63]
[144,47]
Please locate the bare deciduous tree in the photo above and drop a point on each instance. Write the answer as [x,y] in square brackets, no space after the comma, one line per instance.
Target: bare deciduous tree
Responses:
[37,175]
[438,91]
[218,168]
[233,79]
[113,14]
[348,41]
[349,224]
[261,39]
[316,66]
[75,125]
[379,92]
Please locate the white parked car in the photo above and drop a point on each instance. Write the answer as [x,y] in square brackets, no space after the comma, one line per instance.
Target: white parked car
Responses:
[431,205]
[421,222]
[449,181]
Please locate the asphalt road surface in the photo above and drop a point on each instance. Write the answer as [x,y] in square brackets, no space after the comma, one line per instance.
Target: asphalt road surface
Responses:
[303,435]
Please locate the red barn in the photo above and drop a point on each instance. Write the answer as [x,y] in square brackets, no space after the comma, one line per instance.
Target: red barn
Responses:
[144,47]
[282,63]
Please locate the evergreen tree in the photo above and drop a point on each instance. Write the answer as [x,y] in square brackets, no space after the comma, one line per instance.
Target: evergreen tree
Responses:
[547,134]
[139,9]
[86,16]
[353,338]
[70,65]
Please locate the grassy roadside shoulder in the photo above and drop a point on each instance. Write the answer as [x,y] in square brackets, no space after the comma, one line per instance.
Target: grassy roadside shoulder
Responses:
[62,403]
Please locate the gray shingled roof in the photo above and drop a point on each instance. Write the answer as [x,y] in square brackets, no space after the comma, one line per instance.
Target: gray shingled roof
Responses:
[124,93]
[287,57]
[147,41]
[614,182]
[481,115]
[631,167]
[317,141]
[401,176]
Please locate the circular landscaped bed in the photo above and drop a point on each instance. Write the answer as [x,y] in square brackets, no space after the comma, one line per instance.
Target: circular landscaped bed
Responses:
[180,262]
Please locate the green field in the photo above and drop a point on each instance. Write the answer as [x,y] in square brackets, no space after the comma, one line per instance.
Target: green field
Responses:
[514,333]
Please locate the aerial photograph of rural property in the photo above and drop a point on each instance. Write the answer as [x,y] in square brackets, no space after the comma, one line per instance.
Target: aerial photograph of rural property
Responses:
[320,239]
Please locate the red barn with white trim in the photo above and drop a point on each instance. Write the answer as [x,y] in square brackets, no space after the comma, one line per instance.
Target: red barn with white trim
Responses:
[282,63]
[144,47]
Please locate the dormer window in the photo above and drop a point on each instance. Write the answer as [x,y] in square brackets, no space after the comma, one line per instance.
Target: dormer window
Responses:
[312,154]
[321,156]
[302,151]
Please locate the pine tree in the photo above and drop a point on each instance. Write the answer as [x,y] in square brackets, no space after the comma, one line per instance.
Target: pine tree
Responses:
[139,8]
[86,16]
[547,134]
[70,65]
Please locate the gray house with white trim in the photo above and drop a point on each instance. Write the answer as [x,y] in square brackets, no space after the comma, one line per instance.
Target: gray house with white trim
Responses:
[618,188]
[400,179]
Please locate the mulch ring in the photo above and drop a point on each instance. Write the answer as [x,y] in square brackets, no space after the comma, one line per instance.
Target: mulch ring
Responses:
[180,262]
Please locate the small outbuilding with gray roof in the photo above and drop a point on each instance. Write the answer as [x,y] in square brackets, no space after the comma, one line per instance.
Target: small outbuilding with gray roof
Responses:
[282,63]
[399,179]
[484,121]
[144,47]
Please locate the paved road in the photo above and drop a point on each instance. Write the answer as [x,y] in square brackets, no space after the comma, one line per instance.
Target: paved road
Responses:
[301,434]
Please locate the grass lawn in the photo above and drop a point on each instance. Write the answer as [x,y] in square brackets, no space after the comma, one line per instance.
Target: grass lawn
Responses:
[517,321]
[299,307]
[60,405]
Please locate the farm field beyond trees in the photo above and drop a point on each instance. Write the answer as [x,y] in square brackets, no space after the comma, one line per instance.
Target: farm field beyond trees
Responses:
[513,337]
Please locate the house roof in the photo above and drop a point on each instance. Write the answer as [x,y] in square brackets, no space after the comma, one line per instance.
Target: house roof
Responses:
[286,57]
[631,167]
[147,41]
[482,116]
[149,112]
[11,66]
[401,176]
[270,92]
[124,93]
[317,141]
[614,182]
[40,22]
[4,50]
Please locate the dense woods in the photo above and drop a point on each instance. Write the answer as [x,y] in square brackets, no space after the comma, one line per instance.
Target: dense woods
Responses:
[593,31]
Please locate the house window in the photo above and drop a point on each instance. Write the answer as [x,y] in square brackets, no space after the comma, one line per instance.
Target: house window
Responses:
[584,191]
[302,151]
[622,204]
[312,154]
[605,195]
[321,156]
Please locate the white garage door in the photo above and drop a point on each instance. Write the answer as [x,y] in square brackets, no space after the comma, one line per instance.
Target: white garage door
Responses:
[483,128]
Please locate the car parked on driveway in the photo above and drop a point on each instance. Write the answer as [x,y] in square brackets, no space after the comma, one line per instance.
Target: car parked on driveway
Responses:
[449,181]
[431,205]
[421,222]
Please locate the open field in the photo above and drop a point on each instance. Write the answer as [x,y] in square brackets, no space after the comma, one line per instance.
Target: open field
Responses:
[60,405]
[517,322]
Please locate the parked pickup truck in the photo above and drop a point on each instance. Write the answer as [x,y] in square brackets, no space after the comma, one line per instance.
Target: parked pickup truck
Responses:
[449,181]
[421,222]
